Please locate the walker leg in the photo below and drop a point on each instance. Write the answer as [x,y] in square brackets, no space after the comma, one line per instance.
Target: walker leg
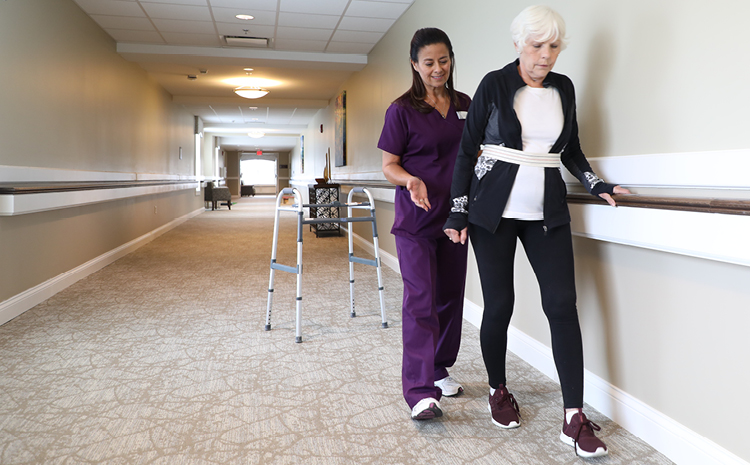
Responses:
[352,312]
[298,329]
[267,327]
[376,247]
[384,323]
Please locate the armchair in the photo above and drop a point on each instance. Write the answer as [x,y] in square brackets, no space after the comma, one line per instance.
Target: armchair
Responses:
[215,194]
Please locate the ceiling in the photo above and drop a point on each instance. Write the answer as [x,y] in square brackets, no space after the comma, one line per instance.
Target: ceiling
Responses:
[312,47]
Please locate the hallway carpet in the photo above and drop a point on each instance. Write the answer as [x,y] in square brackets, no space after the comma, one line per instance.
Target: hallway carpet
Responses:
[161,358]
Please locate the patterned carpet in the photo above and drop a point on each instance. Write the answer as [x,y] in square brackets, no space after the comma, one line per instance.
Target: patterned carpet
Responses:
[161,358]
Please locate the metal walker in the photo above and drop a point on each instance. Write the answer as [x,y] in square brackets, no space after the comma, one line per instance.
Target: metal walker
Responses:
[298,207]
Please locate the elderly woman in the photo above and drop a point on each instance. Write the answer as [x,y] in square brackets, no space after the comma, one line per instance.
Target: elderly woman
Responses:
[419,141]
[507,186]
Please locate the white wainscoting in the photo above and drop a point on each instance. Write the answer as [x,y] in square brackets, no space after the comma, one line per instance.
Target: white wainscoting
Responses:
[712,236]
[32,203]
[33,174]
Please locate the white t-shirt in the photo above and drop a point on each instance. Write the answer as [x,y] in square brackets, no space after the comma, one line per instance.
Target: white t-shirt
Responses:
[540,112]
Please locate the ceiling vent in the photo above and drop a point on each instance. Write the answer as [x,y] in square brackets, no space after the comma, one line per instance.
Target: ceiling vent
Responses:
[245,41]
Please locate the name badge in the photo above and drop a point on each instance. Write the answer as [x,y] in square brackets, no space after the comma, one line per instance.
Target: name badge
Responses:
[462,114]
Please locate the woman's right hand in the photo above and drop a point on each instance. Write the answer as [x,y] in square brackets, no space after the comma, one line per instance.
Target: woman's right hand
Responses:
[616,190]
[456,236]
[418,191]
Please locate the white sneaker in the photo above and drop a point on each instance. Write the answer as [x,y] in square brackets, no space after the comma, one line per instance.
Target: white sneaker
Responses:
[449,386]
[426,409]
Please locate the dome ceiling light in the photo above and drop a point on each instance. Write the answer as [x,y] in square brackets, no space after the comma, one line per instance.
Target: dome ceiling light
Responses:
[250,92]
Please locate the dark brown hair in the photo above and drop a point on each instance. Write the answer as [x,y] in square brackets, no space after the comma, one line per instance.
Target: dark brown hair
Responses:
[415,96]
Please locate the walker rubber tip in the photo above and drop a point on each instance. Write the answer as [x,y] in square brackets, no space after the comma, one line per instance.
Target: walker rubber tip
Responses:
[353,314]
[267,328]
[384,325]
[298,339]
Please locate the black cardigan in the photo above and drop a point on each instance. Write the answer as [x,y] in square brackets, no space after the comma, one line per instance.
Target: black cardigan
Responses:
[492,120]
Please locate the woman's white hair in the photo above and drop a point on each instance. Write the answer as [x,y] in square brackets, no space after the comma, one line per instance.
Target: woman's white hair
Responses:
[539,22]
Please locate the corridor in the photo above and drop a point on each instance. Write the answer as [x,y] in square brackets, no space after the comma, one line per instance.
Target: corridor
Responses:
[161,358]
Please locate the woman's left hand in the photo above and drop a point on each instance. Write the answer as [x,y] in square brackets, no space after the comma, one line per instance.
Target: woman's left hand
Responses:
[616,190]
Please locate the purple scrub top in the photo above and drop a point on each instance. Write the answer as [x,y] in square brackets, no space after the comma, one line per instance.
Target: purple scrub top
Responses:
[427,145]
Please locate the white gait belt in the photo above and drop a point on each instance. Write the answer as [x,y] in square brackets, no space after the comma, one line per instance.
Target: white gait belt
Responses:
[509,155]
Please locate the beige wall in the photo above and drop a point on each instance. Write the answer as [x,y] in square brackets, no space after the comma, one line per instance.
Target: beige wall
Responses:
[651,78]
[69,101]
[72,102]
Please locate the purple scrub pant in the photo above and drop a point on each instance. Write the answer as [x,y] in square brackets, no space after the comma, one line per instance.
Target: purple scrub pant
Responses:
[434,274]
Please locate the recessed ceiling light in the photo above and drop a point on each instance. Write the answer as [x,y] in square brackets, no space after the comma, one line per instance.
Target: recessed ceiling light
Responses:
[256,134]
[247,69]
[253,108]
[245,17]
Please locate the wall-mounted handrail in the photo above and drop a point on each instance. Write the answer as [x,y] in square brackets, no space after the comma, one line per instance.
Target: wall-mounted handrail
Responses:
[18,198]
[68,186]
[703,205]
[372,184]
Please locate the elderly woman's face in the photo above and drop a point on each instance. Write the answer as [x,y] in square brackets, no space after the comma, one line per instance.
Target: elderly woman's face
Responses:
[537,59]
[433,64]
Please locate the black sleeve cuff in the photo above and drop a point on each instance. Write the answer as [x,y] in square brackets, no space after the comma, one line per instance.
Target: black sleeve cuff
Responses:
[457,221]
[603,188]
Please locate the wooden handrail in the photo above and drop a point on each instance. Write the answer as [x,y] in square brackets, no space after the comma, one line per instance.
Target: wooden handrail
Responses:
[704,205]
[375,184]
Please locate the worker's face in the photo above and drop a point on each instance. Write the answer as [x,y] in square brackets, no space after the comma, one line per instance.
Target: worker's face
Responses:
[433,65]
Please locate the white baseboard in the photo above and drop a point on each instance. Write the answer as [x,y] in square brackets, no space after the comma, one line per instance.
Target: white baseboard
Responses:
[680,444]
[28,299]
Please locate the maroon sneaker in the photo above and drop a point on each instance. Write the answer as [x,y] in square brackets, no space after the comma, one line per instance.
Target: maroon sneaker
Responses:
[504,409]
[579,433]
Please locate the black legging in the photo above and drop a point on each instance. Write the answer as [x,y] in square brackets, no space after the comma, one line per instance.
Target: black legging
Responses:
[551,256]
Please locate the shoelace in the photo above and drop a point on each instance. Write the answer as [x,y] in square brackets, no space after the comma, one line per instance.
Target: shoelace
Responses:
[512,401]
[584,422]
